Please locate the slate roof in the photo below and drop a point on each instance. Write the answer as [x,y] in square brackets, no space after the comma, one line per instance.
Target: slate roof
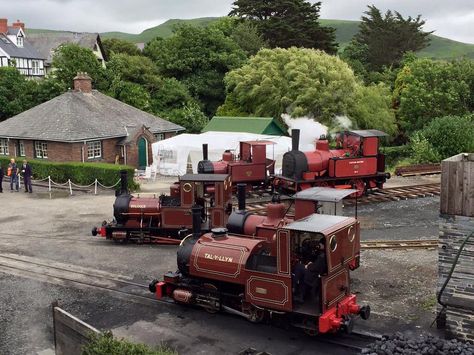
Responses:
[258,125]
[27,51]
[75,116]
[47,42]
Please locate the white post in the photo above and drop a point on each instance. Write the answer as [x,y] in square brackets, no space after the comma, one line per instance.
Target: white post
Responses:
[19,181]
[49,183]
[95,187]
[70,186]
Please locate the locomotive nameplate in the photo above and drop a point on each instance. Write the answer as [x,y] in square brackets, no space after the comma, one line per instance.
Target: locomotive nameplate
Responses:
[219,259]
[226,259]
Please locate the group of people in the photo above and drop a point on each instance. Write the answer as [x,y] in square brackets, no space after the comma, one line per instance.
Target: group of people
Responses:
[13,172]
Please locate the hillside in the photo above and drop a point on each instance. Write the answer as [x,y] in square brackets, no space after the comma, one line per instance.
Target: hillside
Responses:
[440,48]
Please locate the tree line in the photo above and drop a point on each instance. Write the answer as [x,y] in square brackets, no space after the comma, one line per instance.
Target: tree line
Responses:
[271,58]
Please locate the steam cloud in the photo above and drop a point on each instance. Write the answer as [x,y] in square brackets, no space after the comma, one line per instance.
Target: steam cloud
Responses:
[310,130]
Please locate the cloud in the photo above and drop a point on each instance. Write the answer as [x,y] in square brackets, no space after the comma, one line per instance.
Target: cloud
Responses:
[452,19]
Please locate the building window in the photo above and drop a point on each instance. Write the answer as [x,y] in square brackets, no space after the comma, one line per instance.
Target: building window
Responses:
[41,150]
[94,150]
[19,41]
[35,67]
[4,147]
[160,136]
[21,149]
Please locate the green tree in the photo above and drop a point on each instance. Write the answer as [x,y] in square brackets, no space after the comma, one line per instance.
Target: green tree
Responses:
[47,89]
[288,23]
[189,116]
[16,93]
[383,40]
[426,89]
[117,46]
[243,32]
[199,58]
[69,59]
[132,94]
[373,109]
[296,80]
[133,68]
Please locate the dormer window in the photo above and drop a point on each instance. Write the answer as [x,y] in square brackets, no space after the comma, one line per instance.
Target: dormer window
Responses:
[19,41]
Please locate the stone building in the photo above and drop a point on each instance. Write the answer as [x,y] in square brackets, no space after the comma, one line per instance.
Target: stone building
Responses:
[456,247]
[84,125]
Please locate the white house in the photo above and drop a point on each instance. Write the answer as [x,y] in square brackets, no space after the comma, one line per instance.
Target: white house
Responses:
[15,50]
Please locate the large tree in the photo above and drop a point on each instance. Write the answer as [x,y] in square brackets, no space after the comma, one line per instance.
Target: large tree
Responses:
[287,23]
[383,40]
[117,45]
[16,93]
[426,89]
[69,59]
[199,58]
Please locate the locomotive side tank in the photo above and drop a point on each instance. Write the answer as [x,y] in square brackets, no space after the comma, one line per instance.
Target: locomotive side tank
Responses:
[355,163]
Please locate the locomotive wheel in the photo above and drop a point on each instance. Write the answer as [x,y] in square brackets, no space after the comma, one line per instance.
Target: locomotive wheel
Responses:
[213,289]
[256,315]
[358,185]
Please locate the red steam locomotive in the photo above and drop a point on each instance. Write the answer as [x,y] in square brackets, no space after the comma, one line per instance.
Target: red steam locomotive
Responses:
[253,276]
[251,166]
[164,219]
[355,163]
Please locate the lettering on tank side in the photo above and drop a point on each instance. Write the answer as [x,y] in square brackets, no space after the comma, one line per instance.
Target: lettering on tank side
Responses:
[226,259]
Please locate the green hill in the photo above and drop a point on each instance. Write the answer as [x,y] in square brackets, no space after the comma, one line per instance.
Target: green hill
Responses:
[440,48]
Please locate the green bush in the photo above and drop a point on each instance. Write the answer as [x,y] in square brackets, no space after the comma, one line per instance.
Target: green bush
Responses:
[79,173]
[394,154]
[450,135]
[422,150]
[105,344]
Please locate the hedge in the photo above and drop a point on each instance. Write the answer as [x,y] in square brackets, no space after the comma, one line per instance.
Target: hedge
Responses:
[78,173]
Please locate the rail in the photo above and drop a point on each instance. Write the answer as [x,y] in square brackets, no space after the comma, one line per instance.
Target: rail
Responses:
[400,244]
[420,169]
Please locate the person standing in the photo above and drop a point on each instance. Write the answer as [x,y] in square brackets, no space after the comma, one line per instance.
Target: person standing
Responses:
[1,179]
[27,173]
[13,172]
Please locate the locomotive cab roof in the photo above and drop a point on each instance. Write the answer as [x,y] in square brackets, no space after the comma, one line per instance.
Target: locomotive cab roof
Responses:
[204,177]
[323,194]
[366,133]
[320,223]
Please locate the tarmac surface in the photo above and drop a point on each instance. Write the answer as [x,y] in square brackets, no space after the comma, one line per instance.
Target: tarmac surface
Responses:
[399,285]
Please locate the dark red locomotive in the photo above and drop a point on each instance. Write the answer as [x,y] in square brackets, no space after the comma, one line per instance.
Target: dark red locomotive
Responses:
[355,163]
[156,219]
[253,276]
[251,166]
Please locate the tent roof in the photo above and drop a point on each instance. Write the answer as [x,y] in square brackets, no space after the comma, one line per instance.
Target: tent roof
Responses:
[258,125]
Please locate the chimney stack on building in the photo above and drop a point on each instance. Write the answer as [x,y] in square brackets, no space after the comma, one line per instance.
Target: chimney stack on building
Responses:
[83,83]
[3,25]
[18,24]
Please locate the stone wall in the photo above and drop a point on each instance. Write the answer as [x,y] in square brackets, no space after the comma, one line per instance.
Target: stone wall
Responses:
[456,224]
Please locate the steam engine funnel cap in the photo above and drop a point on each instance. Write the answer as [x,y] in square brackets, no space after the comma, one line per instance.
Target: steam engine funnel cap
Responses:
[205,154]
[219,232]
[295,139]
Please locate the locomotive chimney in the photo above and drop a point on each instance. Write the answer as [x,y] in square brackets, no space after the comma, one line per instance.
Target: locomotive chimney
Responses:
[241,196]
[196,213]
[295,139]
[123,182]
[205,155]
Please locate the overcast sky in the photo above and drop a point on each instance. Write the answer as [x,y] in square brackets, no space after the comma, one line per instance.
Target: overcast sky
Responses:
[453,19]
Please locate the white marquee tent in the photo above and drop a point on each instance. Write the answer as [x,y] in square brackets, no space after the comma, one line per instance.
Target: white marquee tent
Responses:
[171,156]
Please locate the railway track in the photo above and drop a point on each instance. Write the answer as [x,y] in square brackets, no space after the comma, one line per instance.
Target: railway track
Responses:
[417,170]
[400,244]
[397,194]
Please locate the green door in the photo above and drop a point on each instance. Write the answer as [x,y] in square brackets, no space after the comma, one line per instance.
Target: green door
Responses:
[142,153]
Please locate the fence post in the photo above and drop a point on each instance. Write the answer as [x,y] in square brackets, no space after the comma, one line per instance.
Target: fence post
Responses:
[49,183]
[95,187]
[70,186]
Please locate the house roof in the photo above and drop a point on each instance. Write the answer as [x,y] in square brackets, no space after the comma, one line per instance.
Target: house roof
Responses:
[47,42]
[75,116]
[258,125]
[27,51]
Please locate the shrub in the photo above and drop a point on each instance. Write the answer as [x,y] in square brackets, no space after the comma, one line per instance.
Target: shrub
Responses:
[105,344]
[395,154]
[422,150]
[79,173]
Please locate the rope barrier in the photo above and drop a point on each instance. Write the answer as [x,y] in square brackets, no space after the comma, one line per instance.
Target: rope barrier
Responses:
[70,184]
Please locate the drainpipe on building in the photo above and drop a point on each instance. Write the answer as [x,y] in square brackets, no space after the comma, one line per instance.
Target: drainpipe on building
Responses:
[125,154]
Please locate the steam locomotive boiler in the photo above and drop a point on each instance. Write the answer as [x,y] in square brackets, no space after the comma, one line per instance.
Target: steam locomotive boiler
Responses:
[251,166]
[253,277]
[164,219]
[355,163]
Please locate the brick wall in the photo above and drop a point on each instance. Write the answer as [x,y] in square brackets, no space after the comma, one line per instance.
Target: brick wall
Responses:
[132,148]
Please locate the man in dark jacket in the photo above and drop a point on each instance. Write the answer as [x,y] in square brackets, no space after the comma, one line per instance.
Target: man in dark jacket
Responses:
[312,273]
[1,179]
[27,172]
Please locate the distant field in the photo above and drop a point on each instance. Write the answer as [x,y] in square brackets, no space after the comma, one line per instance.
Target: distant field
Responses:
[440,48]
